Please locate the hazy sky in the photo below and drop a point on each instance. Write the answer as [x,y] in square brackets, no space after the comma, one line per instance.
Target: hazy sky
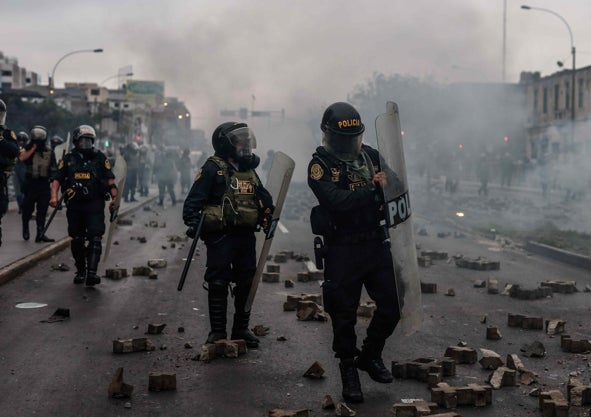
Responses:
[296,54]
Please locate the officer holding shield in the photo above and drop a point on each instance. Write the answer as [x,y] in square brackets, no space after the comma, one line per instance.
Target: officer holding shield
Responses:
[229,193]
[347,177]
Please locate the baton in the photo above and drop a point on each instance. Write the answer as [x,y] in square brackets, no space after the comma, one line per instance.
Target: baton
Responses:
[57,207]
[190,255]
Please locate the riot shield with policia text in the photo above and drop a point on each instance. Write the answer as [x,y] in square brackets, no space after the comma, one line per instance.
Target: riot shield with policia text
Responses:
[277,184]
[398,218]
[120,171]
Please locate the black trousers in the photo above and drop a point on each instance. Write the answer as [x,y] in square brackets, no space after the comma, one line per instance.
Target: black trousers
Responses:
[87,221]
[36,193]
[231,258]
[349,267]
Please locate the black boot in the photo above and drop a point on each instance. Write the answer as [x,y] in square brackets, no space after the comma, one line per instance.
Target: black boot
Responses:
[94,256]
[241,317]
[350,378]
[26,233]
[240,330]
[79,254]
[370,360]
[217,300]
[41,237]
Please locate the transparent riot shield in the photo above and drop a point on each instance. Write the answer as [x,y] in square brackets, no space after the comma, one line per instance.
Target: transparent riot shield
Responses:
[62,149]
[398,218]
[277,184]
[120,171]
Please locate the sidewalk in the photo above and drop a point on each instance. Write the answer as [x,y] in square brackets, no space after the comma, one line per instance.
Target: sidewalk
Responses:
[18,255]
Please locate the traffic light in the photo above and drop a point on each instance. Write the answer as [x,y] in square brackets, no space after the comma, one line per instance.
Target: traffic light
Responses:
[107,143]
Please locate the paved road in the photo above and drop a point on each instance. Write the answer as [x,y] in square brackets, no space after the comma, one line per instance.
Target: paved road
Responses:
[64,368]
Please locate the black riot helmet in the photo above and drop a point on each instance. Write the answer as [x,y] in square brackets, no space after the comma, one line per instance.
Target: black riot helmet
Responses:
[38,134]
[56,140]
[2,114]
[83,137]
[233,139]
[343,131]
[22,138]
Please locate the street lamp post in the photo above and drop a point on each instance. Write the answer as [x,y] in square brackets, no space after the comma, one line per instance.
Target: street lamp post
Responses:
[129,74]
[51,80]
[573,52]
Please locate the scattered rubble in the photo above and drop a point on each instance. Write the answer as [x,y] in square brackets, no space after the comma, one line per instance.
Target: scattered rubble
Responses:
[534,350]
[118,388]
[288,283]
[461,354]
[132,345]
[518,320]
[309,311]
[116,273]
[529,294]
[503,377]
[270,277]
[562,287]
[157,263]
[273,268]
[493,285]
[574,346]
[428,288]
[366,309]
[144,271]
[316,371]
[555,326]
[343,410]
[328,403]
[553,403]
[427,370]
[124,222]
[222,349]
[434,255]
[413,409]
[493,333]
[479,264]
[490,359]
[278,412]
[159,381]
[450,292]
[260,330]
[155,328]
[578,394]
[292,300]
[60,267]
[447,396]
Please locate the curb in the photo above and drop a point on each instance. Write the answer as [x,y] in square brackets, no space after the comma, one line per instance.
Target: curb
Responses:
[16,268]
[561,255]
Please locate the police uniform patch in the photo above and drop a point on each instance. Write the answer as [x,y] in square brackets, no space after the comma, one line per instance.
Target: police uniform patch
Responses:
[316,172]
[60,164]
[107,164]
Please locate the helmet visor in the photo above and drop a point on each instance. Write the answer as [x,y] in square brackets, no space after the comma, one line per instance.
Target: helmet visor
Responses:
[344,147]
[84,143]
[243,140]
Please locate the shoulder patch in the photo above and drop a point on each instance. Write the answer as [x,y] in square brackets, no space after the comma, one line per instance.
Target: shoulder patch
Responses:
[316,172]
[60,164]
[107,164]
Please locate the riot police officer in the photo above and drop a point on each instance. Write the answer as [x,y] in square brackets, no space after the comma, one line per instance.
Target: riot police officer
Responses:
[40,166]
[229,193]
[9,150]
[20,171]
[345,176]
[87,180]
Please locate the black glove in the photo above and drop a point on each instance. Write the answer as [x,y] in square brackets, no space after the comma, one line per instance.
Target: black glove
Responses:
[191,232]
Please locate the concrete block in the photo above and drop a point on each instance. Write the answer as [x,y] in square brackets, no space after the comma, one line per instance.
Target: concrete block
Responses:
[492,285]
[143,271]
[435,255]
[502,377]
[315,371]
[309,310]
[157,263]
[366,309]
[292,300]
[159,381]
[343,410]
[562,287]
[578,394]
[116,273]
[490,359]
[424,261]
[288,283]
[518,320]
[328,403]
[278,412]
[132,345]
[478,264]
[530,294]
[493,333]
[553,404]
[270,277]
[414,409]
[428,288]
[574,346]
[156,328]
[118,388]
[447,396]
[555,326]
[273,268]
[461,354]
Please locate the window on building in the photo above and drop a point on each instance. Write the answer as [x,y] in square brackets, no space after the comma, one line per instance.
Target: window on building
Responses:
[567,95]
[556,95]
[536,94]
[7,73]
[581,91]
[545,100]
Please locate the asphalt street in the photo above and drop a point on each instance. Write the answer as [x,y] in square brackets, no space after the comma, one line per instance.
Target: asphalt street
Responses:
[64,368]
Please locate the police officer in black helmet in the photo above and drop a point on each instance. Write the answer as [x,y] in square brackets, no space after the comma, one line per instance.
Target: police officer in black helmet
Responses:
[40,164]
[345,176]
[87,180]
[9,150]
[229,193]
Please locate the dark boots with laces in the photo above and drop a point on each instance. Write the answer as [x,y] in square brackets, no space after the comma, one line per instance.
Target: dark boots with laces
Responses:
[370,361]
[350,379]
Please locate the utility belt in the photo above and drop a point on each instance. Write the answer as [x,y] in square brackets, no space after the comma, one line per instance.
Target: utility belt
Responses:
[354,237]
